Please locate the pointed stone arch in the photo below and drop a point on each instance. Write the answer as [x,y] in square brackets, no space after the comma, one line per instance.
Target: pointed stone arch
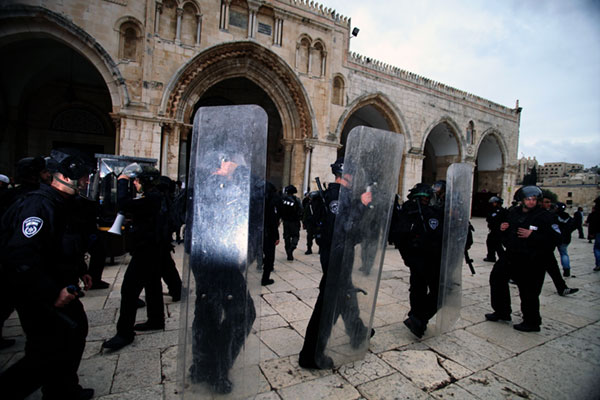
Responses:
[440,146]
[241,59]
[491,166]
[20,22]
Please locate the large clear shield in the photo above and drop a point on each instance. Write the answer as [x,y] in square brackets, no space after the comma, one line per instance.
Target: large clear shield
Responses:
[371,165]
[219,343]
[459,178]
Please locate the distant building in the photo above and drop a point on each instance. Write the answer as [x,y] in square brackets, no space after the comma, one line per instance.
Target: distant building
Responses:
[558,169]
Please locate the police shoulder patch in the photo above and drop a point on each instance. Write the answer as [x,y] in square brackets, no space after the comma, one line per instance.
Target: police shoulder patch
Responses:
[556,228]
[31,226]
[433,223]
[334,207]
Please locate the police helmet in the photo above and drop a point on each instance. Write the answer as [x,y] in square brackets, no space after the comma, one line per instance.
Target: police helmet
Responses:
[148,176]
[420,190]
[291,189]
[337,167]
[495,199]
[71,163]
[561,206]
[4,179]
[29,168]
[528,191]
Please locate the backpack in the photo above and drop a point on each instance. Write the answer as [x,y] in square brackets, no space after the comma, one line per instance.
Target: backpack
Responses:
[288,208]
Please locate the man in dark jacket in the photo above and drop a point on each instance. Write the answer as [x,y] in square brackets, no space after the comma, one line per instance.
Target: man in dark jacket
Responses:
[495,216]
[291,215]
[270,233]
[144,270]
[317,332]
[528,234]
[43,259]
[418,237]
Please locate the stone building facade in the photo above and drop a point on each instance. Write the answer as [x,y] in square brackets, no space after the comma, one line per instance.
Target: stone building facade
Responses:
[126,76]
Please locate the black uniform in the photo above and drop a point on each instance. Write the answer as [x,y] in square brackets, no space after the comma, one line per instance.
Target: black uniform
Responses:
[270,233]
[336,290]
[494,238]
[291,215]
[43,255]
[525,259]
[144,270]
[418,237]
[224,310]
[308,220]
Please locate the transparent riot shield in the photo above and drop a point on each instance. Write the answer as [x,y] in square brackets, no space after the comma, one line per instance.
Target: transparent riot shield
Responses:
[457,209]
[219,343]
[371,165]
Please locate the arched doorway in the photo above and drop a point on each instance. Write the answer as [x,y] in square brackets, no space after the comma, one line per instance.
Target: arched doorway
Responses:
[53,95]
[441,149]
[237,91]
[489,173]
[374,112]
[254,75]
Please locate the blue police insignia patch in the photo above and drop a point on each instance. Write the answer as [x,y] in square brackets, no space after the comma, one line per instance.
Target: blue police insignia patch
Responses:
[334,207]
[31,226]
[556,228]
[433,223]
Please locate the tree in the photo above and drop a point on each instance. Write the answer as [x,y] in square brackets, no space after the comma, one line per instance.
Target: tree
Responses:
[530,178]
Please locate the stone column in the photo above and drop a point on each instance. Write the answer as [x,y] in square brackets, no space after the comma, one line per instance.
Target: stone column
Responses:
[308,147]
[157,17]
[224,18]
[288,146]
[198,28]
[178,30]
[278,30]
[413,171]
[323,63]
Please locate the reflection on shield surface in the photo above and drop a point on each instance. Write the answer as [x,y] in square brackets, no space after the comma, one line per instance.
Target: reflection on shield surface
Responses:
[219,341]
[456,227]
[371,164]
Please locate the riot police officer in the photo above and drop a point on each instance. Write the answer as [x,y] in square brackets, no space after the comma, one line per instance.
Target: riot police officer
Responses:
[270,232]
[496,215]
[43,259]
[144,270]
[316,337]
[291,215]
[528,234]
[418,237]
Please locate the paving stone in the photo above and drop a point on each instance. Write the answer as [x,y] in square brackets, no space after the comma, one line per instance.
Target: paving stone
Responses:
[589,333]
[359,372]
[551,374]
[155,392]
[486,385]
[392,313]
[293,311]
[421,367]
[391,337]
[503,334]
[468,350]
[272,322]
[284,372]
[168,361]
[283,341]
[395,386]
[328,387]
[137,370]
[97,373]
[579,348]
[308,296]
[101,317]
[453,392]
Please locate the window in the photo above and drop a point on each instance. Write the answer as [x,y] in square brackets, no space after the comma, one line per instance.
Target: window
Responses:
[337,96]
[570,194]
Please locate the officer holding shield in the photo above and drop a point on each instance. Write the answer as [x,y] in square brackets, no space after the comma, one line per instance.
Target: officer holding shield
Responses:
[325,211]
[418,235]
[43,259]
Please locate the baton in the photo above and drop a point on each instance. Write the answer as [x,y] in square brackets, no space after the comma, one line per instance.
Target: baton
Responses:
[469,262]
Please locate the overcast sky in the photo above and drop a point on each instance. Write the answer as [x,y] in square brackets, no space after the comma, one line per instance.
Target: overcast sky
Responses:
[545,53]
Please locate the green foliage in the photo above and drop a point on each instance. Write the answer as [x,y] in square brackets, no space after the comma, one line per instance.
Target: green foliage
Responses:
[549,194]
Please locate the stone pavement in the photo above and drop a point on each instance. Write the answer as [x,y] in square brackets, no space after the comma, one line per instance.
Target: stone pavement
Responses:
[476,360]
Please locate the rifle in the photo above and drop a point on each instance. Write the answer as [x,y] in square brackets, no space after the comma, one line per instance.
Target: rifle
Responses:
[318,180]
[469,261]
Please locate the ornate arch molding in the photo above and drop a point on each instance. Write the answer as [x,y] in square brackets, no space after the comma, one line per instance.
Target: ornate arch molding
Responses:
[23,22]
[454,129]
[499,139]
[388,110]
[241,59]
